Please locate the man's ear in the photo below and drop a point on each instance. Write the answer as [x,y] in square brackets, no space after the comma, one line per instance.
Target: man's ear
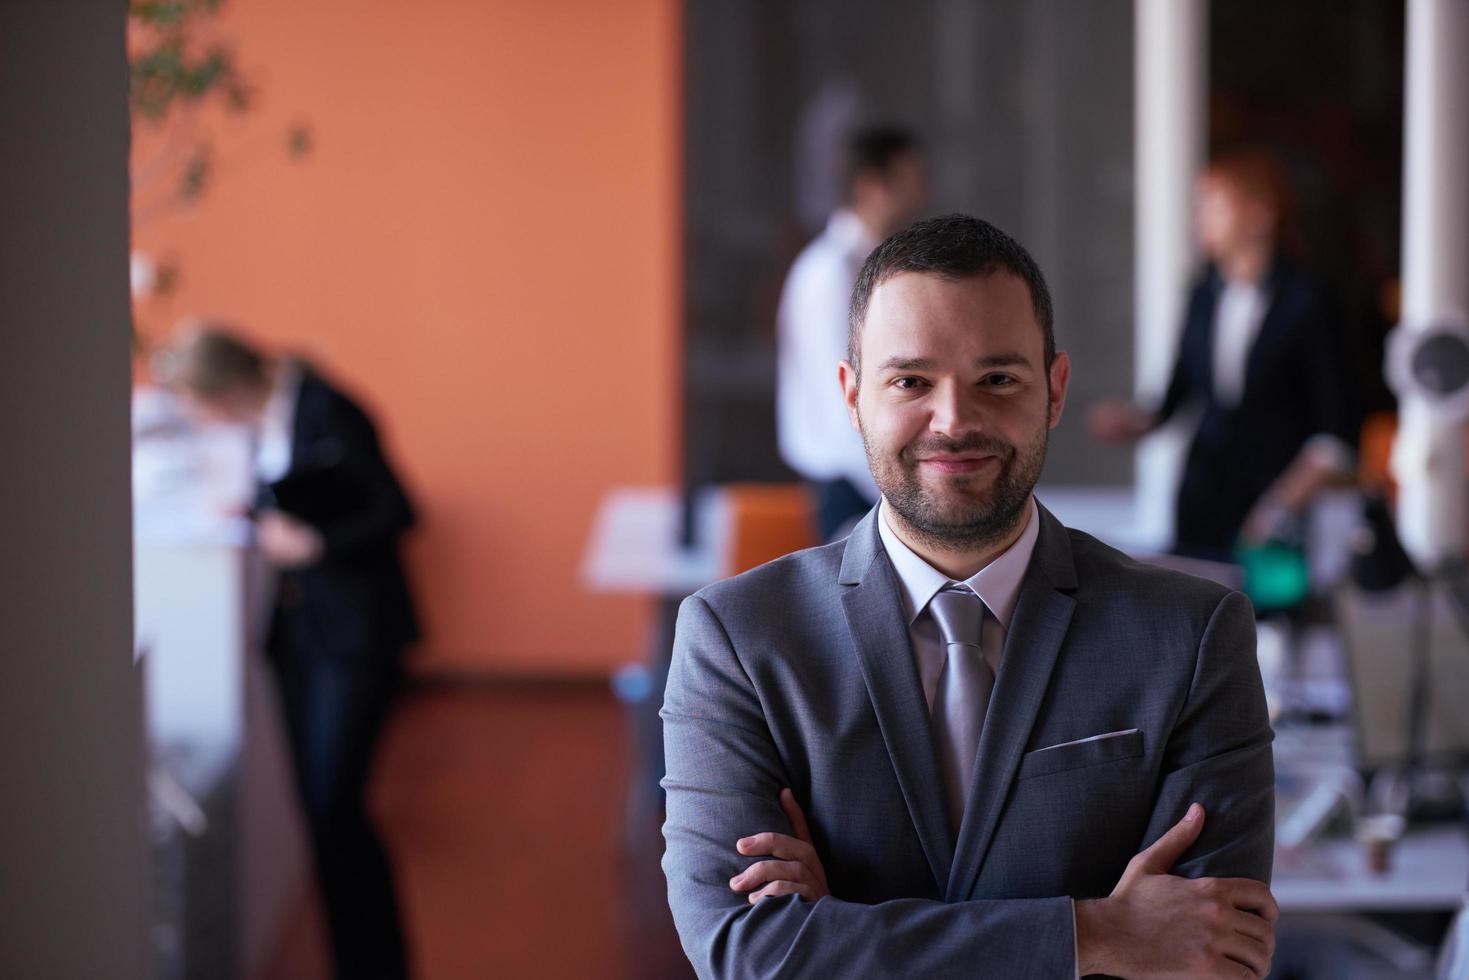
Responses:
[1060,373]
[847,375]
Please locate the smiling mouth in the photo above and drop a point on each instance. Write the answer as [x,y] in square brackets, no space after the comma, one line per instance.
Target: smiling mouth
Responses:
[957,464]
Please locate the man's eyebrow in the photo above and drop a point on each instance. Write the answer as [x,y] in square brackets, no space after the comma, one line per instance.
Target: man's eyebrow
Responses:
[1006,359]
[899,363]
[1009,359]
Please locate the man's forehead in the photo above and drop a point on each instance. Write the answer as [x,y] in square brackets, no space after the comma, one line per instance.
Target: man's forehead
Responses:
[919,307]
[998,284]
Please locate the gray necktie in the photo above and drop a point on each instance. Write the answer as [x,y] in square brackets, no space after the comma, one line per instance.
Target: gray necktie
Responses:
[963,693]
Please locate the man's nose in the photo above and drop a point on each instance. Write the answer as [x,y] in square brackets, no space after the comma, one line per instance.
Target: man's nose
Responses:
[955,411]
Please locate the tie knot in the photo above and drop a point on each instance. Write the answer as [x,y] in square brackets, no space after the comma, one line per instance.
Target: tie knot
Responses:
[959,614]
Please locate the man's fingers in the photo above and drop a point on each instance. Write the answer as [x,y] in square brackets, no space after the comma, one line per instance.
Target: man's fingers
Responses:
[1249,952]
[762,872]
[1256,929]
[794,815]
[1160,858]
[776,845]
[1252,896]
[780,888]
[1250,924]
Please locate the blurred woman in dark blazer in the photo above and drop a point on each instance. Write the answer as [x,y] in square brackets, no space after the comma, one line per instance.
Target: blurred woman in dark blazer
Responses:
[329,514]
[1260,361]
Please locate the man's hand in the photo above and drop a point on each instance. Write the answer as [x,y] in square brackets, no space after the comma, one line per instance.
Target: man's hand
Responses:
[1117,421]
[1156,926]
[797,870]
[286,541]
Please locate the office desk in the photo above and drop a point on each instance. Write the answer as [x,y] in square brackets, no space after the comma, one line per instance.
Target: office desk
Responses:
[1429,873]
[229,853]
[1429,868]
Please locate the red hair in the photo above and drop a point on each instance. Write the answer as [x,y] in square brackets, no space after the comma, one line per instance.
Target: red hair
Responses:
[1256,174]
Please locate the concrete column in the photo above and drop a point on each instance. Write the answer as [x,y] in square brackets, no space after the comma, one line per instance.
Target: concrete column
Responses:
[1171,77]
[73,901]
[1428,458]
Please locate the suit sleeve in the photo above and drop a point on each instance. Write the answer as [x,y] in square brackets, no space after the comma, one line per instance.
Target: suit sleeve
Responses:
[1219,754]
[385,511]
[724,775]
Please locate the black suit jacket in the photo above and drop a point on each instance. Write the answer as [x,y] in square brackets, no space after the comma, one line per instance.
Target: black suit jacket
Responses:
[355,602]
[1295,387]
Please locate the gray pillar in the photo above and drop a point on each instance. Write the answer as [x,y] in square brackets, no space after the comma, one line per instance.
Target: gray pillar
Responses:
[1170,79]
[72,859]
[1428,456]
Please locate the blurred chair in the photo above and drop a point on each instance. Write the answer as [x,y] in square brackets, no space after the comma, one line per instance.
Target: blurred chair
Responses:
[767,520]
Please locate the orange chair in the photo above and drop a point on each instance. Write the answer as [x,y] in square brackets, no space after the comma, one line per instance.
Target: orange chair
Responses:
[768,520]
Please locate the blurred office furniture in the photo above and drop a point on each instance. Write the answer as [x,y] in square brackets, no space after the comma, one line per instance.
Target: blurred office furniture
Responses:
[1318,869]
[637,543]
[229,857]
[1384,636]
[767,520]
[1332,899]
[661,543]
[1371,828]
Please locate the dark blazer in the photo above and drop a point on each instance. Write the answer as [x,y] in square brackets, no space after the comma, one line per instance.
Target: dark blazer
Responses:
[354,602]
[801,674]
[1295,386]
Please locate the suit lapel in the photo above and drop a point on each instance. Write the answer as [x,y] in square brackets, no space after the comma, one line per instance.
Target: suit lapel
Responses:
[1032,643]
[885,654]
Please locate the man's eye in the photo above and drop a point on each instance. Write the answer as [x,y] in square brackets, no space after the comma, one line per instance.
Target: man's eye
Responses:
[906,382]
[999,380]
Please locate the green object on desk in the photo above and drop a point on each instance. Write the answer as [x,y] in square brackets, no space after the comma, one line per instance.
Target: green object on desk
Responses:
[1276,575]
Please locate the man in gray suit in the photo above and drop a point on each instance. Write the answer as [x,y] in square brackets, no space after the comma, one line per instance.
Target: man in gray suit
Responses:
[1017,753]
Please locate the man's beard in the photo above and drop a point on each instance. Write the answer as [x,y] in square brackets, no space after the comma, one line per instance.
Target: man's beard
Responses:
[968,522]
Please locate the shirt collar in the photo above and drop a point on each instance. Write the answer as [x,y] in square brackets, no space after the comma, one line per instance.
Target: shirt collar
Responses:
[997,583]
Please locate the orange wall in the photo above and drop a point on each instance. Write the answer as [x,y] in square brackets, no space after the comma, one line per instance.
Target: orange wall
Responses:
[484,244]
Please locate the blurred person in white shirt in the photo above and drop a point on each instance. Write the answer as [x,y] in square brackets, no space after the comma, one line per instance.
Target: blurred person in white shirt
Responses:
[886,187]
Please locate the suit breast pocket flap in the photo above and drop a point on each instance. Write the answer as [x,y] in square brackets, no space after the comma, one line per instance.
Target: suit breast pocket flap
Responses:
[1111,747]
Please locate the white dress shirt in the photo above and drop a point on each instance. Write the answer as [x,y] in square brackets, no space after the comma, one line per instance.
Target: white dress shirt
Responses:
[1237,320]
[277,422]
[997,584]
[815,435]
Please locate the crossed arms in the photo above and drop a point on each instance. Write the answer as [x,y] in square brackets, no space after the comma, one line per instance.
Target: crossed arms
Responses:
[725,778]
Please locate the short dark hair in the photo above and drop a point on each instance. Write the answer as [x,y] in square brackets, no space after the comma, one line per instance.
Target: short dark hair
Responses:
[874,149]
[954,246]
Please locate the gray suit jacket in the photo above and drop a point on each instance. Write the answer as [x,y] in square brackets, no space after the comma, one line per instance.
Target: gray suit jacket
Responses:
[800,673]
